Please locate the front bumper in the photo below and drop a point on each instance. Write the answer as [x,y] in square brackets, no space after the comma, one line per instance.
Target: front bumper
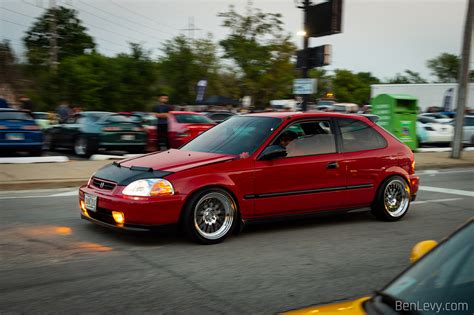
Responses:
[140,213]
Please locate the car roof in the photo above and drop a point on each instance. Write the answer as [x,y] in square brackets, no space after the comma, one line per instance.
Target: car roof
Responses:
[297,115]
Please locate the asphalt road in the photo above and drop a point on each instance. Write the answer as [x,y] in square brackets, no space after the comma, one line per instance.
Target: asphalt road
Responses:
[51,261]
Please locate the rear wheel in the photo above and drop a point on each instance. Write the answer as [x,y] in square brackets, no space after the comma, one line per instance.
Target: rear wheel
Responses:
[36,152]
[210,216]
[392,200]
[83,147]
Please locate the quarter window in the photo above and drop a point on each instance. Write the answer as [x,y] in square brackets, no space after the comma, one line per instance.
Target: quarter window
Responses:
[307,138]
[358,136]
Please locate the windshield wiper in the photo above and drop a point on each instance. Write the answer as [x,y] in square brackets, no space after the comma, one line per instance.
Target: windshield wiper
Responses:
[394,303]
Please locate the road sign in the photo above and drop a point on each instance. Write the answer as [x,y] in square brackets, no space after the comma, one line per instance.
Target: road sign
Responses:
[304,86]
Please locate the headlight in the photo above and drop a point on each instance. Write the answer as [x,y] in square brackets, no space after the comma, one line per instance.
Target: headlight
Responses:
[149,187]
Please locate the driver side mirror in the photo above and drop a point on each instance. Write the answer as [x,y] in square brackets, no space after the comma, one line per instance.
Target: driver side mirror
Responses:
[273,152]
[421,249]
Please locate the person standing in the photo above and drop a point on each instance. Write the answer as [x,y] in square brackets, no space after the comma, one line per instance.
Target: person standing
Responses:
[161,110]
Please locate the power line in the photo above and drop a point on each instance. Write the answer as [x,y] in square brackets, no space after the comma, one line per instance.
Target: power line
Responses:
[124,18]
[143,16]
[16,12]
[23,25]
[113,22]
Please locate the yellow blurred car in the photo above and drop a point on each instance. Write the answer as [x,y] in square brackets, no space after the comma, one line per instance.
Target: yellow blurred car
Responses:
[441,281]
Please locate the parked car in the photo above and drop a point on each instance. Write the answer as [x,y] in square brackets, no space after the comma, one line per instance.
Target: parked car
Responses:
[345,108]
[218,117]
[149,122]
[87,132]
[257,166]
[184,126]
[19,132]
[468,129]
[429,131]
[440,281]
[441,118]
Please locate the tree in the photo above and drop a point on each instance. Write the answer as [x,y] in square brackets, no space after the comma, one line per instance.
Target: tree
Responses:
[353,88]
[184,63]
[445,67]
[409,77]
[261,51]
[122,83]
[72,39]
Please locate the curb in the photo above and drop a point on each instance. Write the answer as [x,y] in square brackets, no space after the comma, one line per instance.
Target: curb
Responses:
[43,184]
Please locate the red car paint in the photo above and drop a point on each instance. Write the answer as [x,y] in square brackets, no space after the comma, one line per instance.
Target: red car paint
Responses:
[246,177]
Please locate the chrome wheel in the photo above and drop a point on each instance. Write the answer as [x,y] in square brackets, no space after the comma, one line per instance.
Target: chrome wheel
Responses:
[214,214]
[80,146]
[396,198]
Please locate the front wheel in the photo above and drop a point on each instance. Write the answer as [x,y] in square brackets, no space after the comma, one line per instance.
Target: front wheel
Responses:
[392,200]
[210,216]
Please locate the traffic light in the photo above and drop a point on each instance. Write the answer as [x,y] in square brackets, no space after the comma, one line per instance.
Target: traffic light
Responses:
[324,18]
[317,57]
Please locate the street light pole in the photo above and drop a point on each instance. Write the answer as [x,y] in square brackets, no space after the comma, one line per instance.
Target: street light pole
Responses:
[462,82]
[306,4]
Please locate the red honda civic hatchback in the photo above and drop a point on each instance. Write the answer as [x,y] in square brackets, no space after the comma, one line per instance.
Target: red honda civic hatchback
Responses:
[257,166]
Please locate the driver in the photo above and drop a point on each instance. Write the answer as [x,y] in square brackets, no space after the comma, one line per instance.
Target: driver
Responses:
[286,137]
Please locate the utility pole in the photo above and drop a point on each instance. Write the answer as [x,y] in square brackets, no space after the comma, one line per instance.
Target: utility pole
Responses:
[191,28]
[462,82]
[53,38]
[306,4]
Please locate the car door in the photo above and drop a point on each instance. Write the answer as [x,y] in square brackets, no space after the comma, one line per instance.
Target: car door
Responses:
[309,178]
[71,129]
[365,154]
[468,130]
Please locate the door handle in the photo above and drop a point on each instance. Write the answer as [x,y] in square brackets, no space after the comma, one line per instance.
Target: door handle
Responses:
[332,165]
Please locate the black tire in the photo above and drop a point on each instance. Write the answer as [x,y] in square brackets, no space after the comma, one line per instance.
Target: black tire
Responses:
[83,147]
[387,206]
[210,216]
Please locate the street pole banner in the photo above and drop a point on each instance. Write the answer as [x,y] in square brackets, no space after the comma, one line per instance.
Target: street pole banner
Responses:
[201,90]
[448,99]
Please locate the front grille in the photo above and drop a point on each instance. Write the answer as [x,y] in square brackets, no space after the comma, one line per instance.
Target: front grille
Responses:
[103,215]
[102,184]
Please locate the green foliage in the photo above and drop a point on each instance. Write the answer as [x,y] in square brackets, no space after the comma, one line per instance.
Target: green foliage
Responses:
[353,87]
[72,39]
[409,77]
[445,67]
[184,63]
[261,52]
[96,82]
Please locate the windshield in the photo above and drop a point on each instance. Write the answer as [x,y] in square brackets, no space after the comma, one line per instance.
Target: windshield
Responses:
[122,119]
[239,134]
[443,278]
[192,119]
[14,115]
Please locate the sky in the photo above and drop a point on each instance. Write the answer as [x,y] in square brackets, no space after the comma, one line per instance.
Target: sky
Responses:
[384,37]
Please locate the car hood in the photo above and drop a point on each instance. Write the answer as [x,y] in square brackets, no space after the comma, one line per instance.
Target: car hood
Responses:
[353,307]
[176,160]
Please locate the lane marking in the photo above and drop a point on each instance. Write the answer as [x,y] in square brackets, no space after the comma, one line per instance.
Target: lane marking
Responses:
[448,191]
[436,200]
[38,159]
[438,172]
[67,193]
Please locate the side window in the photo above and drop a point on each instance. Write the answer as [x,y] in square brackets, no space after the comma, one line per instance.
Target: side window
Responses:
[71,120]
[469,121]
[358,136]
[307,138]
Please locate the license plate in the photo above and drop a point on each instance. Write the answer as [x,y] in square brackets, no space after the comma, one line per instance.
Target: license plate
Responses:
[15,136]
[91,202]
[128,137]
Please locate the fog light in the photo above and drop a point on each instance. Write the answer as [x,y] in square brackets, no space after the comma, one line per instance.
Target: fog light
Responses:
[83,207]
[118,217]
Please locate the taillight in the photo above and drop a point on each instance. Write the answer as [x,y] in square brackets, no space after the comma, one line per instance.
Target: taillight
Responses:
[111,129]
[30,127]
